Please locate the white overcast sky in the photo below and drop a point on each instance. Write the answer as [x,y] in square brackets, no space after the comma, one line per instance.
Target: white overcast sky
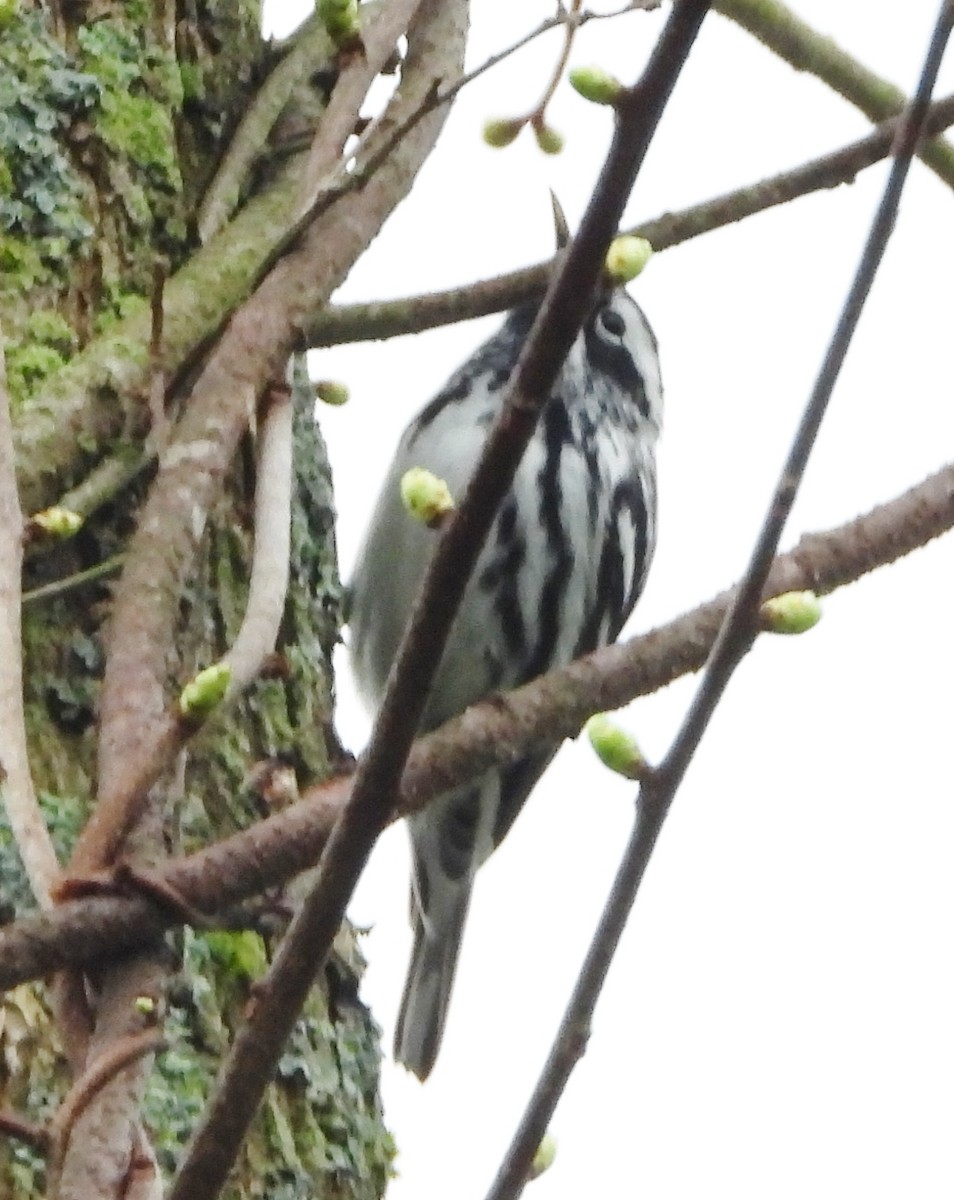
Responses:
[779,1020]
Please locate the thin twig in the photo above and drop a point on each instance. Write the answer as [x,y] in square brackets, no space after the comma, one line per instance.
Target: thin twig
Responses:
[736,636]
[804,48]
[325,166]
[223,193]
[159,420]
[69,583]
[300,956]
[377,320]
[12,1125]
[571,22]
[16,781]
[268,584]
[344,182]
[99,924]
[84,1091]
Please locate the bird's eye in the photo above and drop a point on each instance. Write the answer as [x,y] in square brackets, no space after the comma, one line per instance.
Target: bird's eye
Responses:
[612,322]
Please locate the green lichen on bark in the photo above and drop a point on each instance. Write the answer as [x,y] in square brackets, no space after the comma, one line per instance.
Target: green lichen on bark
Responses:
[44,217]
[305,1141]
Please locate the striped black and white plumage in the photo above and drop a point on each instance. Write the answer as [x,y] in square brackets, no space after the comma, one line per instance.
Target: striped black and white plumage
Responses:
[561,570]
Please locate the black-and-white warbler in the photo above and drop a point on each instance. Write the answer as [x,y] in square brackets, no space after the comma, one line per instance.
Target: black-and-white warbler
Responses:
[563,566]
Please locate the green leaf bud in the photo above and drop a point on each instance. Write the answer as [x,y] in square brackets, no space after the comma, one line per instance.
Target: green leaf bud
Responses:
[596,85]
[340,18]
[792,612]
[501,131]
[58,522]
[626,257]
[548,139]
[543,1159]
[204,692]
[333,392]
[426,497]
[614,747]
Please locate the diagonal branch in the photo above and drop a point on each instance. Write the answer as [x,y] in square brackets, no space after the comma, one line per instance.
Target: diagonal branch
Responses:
[792,39]
[735,638]
[139,734]
[279,997]
[490,734]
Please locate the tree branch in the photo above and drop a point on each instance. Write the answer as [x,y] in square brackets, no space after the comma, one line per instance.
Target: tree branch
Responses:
[312,46]
[735,638]
[786,35]
[16,781]
[493,733]
[268,584]
[139,734]
[339,324]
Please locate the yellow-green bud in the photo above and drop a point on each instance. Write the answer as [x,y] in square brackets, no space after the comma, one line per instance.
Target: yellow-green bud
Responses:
[626,257]
[204,692]
[543,1159]
[58,522]
[595,84]
[792,612]
[426,497]
[145,1005]
[333,392]
[501,131]
[614,747]
[340,18]
[549,141]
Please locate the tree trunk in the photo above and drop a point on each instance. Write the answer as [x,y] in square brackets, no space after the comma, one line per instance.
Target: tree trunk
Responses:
[114,120]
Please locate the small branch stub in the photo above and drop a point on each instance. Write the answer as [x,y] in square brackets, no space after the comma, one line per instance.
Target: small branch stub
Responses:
[792,612]
[202,694]
[615,748]
[426,497]
[596,85]
[544,1157]
[627,257]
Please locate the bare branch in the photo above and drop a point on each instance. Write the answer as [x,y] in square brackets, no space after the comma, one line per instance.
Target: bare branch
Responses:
[16,782]
[12,1125]
[312,45]
[377,320]
[490,734]
[736,637]
[104,1070]
[786,35]
[268,584]
[324,162]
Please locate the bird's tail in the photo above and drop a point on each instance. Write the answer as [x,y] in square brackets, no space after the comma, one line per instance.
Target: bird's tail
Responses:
[430,978]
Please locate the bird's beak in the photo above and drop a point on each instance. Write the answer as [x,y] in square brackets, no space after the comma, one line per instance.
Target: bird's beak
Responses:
[560,226]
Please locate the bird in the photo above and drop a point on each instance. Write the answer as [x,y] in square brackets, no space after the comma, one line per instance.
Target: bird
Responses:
[562,567]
